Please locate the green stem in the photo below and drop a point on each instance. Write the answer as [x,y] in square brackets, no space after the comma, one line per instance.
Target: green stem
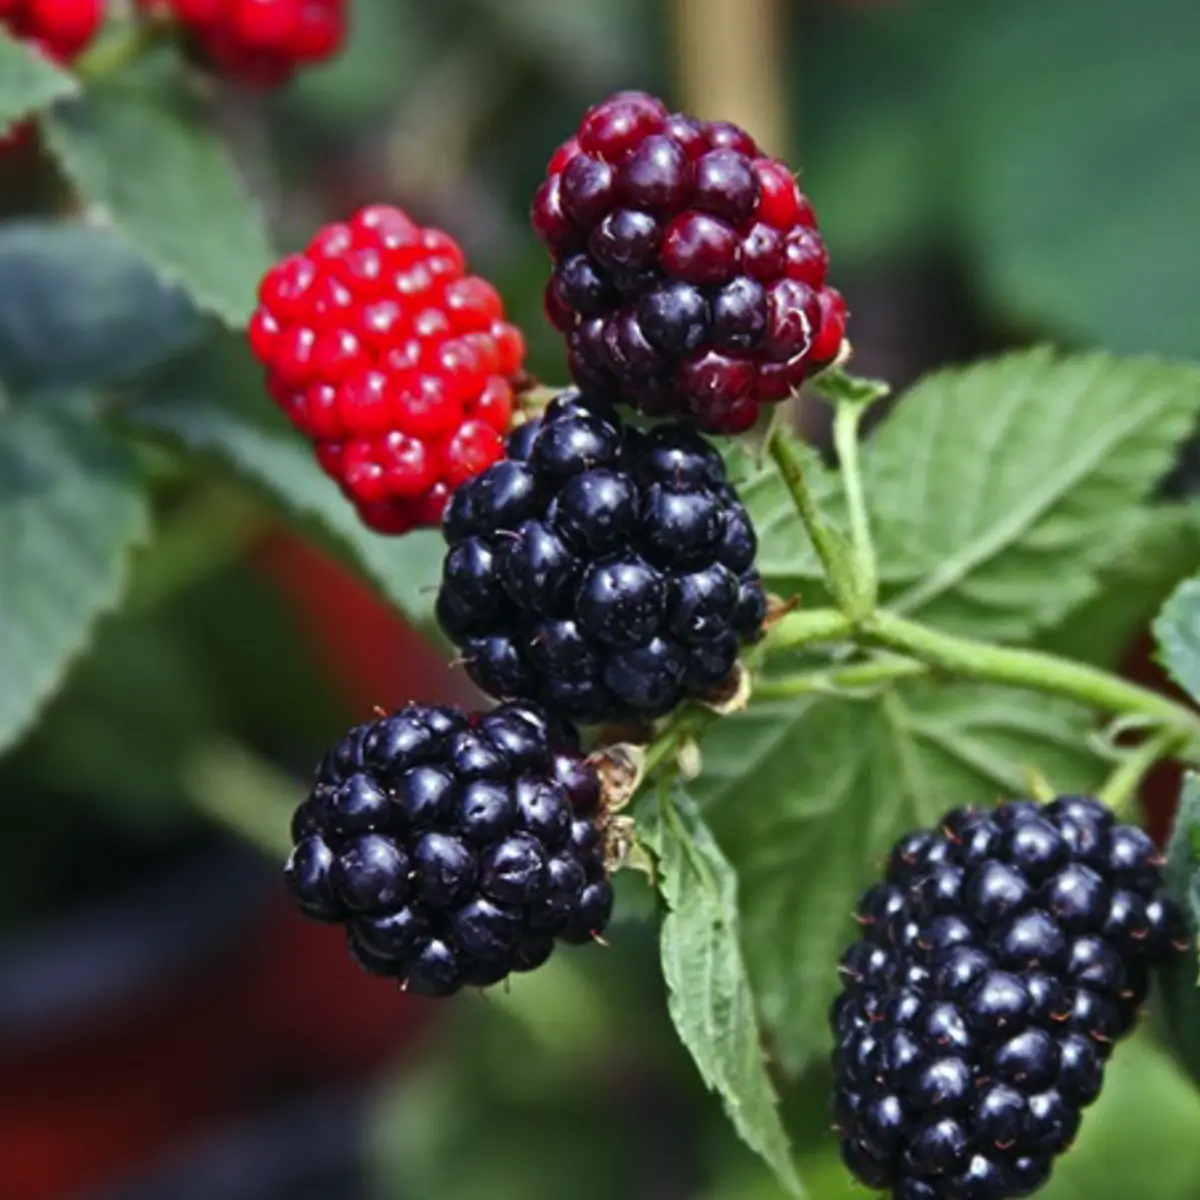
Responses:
[1123,784]
[847,419]
[1028,669]
[210,531]
[825,541]
[877,672]
[247,794]
[125,46]
[805,628]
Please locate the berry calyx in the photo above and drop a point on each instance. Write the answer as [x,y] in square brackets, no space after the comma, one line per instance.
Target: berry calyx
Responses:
[689,277]
[454,848]
[1001,957]
[397,364]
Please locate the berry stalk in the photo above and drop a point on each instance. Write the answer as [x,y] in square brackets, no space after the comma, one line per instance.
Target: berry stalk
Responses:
[847,419]
[1034,669]
[119,51]
[830,548]
[1121,788]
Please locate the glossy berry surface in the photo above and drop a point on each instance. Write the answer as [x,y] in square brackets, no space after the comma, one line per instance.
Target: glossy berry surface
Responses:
[689,276]
[601,571]
[397,364]
[1032,931]
[257,43]
[454,848]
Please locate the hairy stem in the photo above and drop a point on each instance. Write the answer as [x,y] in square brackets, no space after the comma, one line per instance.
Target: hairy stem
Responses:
[969,659]
[128,43]
[846,422]
[807,627]
[830,551]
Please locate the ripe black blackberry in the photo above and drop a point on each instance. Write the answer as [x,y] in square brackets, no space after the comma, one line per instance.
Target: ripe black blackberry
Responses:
[1001,958]
[454,848]
[689,275]
[601,571]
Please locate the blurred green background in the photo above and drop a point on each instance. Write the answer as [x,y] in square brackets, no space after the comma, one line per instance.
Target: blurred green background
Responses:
[986,174]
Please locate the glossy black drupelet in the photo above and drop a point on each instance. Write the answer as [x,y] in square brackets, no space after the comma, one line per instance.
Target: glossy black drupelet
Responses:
[603,571]
[1001,958]
[454,848]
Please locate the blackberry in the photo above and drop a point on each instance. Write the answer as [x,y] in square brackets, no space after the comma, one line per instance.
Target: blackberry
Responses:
[454,848]
[689,275]
[602,571]
[1003,955]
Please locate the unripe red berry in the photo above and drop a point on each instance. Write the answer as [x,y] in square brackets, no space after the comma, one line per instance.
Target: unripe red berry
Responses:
[399,366]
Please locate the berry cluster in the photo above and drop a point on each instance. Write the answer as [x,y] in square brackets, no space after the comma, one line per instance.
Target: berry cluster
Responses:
[259,43]
[397,364]
[1001,958]
[688,272]
[60,29]
[602,571]
[455,849]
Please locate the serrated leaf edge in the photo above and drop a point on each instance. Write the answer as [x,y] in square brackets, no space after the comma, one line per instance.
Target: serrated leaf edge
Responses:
[171,276]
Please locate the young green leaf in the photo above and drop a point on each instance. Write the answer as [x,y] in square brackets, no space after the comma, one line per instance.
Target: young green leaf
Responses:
[807,796]
[148,162]
[1177,630]
[219,413]
[78,307]
[71,510]
[1178,1009]
[709,992]
[28,81]
[1007,486]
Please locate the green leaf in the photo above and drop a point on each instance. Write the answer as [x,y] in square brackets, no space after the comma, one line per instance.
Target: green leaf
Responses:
[709,992]
[219,408]
[806,797]
[1007,486]
[1177,630]
[1101,255]
[71,509]
[1163,547]
[78,307]
[1178,998]
[148,162]
[28,81]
